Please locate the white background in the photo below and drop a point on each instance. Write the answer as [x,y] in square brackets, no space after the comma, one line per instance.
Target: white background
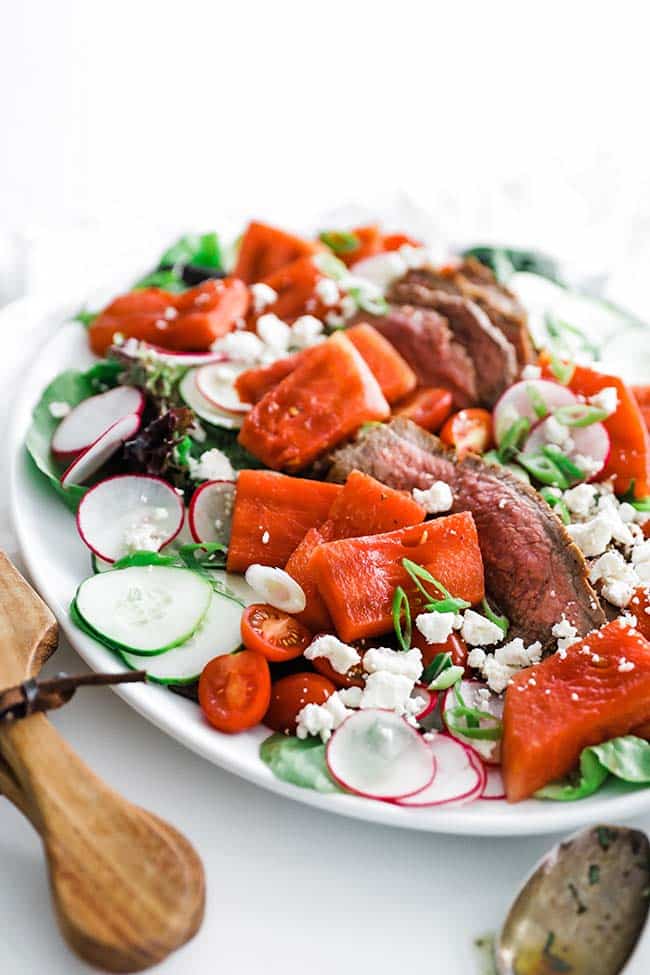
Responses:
[122,122]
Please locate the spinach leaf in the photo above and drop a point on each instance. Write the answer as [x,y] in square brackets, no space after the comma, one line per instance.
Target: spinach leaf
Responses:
[298,761]
[170,279]
[505,261]
[69,387]
[626,758]
[203,250]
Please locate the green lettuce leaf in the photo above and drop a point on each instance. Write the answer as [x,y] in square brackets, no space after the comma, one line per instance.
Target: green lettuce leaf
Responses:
[505,261]
[626,758]
[298,761]
[69,387]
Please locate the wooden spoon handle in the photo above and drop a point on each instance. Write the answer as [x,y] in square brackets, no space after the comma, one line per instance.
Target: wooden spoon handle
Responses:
[127,889]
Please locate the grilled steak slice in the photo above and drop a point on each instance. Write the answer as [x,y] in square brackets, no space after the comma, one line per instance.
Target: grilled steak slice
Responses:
[494,357]
[532,568]
[475,281]
[424,339]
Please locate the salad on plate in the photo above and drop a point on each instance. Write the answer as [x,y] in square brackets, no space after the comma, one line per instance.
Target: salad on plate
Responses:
[393,510]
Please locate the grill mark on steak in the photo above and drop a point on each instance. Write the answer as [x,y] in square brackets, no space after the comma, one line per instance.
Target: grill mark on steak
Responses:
[424,339]
[473,280]
[533,570]
[494,357]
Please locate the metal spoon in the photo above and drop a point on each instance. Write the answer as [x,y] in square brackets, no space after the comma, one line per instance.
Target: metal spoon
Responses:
[583,909]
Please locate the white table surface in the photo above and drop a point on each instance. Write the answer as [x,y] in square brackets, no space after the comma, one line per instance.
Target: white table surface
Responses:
[289,888]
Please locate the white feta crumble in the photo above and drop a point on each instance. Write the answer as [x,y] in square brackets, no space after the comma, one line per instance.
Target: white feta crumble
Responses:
[328,292]
[606,400]
[212,465]
[479,631]
[144,536]
[531,372]
[565,633]
[58,409]
[625,666]
[588,465]
[351,696]
[241,346]
[557,433]
[334,320]
[436,627]
[499,668]
[386,690]
[434,499]
[476,658]
[383,269]
[306,331]
[276,587]
[340,655]
[314,719]
[389,661]
[592,537]
[263,296]
[580,499]
[619,579]
[274,332]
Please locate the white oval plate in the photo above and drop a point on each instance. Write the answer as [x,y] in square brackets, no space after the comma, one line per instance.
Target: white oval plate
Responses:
[58,561]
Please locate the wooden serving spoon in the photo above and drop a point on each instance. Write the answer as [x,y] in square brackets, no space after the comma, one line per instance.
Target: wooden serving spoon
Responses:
[127,888]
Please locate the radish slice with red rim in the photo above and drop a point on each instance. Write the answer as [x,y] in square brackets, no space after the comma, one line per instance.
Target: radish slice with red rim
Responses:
[494,787]
[429,697]
[528,399]
[216,384]
[95,456]
[204,410]
[592,442]
[377,754]
[488,751]
[93,417]
[129,512]
[210,512]
[460,776]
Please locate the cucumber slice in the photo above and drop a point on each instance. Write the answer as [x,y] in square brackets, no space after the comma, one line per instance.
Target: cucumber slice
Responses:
[144,609]
[218,633]
[233,585]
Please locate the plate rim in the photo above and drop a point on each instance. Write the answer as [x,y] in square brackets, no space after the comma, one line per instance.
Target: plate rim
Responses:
[151,702]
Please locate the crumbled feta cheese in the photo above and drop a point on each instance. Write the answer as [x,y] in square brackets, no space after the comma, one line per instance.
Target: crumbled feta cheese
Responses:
[565,633]
[627,512]
[476,658]
[314,719]
[588,465]
[274,332]
[625,666]
[305,331]
[383,269]
[415,257]
[479,631]
[435,627]
[619,579]
[617,592]
[263,295]
[213,465]
[434,499]
[608,507]
[386,690]
[197,432]
[592,537]
[499,668]
[144,536]
[276,587]
[58,409]
[384,659]
[580,499]
[531,372]
[516,654]
[334,320]
[242,346]
[328,292]
[340,655]
[606,400]
[351,696]
[557,433]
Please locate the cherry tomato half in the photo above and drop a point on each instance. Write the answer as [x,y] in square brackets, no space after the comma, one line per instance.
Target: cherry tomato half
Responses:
[428,407]
[352,678]
[290,694]
[454,644]
[235,690]
[469,431]
[273,633]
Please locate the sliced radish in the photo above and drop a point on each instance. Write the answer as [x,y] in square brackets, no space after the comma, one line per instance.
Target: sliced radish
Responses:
[592,442]
[210,512]
[430,698]
[129,512]
[183,358]
[494,787]
[520,400]
[89,462]
[460,776]
[92,417]
[203,408]
[216,384]
[377,754]
[488,751]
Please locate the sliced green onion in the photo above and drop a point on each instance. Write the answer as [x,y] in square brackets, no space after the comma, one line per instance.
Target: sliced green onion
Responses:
[559,504]
[401,607]
[182,451]
[340,241]
[471,728]
[492,457]
[85,317]
[570,470]
[641,504]
[563,371]
[330,266]
[501,621]
[543,469]
[537,402]
[418,572]
[580,415]
[447,679]
[375,305]
[203,555]
[513,437]
[440,663]
[450,604]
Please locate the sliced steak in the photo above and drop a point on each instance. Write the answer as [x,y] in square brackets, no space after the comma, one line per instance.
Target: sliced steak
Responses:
[533,570]
[424,339]
[494,357]
[475,281]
